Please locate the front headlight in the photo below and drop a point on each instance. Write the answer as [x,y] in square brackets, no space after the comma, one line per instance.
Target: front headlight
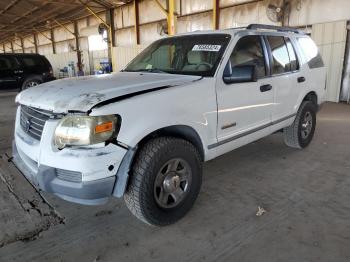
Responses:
[85,130]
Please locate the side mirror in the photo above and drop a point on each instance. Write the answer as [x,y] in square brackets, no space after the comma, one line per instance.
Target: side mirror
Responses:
[240,74]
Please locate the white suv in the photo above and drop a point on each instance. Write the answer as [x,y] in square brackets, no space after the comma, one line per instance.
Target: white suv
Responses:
[144,132]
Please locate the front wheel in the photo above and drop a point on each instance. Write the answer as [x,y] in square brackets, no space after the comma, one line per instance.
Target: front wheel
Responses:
[301,132]
[165,181]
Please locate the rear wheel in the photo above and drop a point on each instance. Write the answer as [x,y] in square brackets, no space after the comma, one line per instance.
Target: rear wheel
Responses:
[30,82]
[165,181]
[301,132]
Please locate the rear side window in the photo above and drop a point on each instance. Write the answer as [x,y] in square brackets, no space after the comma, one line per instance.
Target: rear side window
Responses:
[294,64]
[249,51]
[310,52]
[280,55]
[31,61]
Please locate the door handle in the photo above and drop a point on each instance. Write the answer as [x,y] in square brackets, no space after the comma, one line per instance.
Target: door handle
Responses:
[301,79]
[265,88]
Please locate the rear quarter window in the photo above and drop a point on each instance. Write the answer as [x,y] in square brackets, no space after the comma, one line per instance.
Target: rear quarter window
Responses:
[310,52]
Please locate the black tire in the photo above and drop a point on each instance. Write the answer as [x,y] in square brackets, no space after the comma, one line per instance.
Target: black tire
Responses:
[31,81]
[140,196]
[295,135]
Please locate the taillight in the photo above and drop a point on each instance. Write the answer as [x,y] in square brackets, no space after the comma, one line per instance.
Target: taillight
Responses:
[50,71]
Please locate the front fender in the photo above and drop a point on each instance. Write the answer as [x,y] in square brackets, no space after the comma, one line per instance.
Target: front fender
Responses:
[193,105]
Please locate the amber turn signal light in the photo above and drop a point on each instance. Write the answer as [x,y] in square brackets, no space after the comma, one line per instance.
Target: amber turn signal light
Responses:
[105,127]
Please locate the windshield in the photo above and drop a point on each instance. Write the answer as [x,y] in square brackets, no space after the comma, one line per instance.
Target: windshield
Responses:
[189,55]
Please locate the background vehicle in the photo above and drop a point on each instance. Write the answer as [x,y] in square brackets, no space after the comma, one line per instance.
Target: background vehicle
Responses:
[24,70]
[143,133]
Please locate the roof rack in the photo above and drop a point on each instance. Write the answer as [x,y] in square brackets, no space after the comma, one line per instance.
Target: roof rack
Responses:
[273,27]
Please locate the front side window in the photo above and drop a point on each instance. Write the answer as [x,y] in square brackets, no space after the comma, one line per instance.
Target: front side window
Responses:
[280,56]
[190,55]
[248,51]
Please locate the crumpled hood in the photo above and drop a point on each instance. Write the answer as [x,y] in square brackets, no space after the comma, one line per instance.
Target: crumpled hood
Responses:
[82,93]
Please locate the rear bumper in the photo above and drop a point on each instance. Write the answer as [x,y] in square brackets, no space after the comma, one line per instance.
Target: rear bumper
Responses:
[86,192]
[49,78]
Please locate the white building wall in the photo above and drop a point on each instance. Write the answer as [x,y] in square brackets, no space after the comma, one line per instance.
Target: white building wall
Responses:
[308,12]
[331,40]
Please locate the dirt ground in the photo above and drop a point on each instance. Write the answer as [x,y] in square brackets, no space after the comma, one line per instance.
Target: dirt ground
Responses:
[306,194]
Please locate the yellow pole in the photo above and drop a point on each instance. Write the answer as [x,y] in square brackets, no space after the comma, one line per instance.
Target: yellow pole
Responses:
[171,18]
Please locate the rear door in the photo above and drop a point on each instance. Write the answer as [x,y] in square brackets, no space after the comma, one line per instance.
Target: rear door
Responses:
[245,108]
[33,65]
[8,72]
[286,78]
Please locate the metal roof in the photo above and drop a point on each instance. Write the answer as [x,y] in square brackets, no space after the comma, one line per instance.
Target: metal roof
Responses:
[19,18]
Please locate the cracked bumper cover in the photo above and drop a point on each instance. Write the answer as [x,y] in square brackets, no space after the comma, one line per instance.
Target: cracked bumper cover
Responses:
[85,192]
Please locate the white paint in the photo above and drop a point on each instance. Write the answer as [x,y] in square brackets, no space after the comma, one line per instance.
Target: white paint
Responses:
[82,93]
[203,104]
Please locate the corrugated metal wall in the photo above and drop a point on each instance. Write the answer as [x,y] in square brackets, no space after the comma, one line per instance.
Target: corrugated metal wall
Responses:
[59,61]
[126,54]
[331,40]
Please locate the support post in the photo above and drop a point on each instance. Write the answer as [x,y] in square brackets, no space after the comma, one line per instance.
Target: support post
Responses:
[3,46]
[171,17]
[111,23]
[77,46]
[52,36]
[137,22]
[12,47]
[35,43]
[216,14]
[110,32]
[22,44]
[111,36]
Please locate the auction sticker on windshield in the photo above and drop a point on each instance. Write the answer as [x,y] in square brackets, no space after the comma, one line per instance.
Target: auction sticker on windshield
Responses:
[208,48]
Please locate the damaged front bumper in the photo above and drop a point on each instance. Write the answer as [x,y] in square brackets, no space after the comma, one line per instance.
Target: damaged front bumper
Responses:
[47,179]
[85,192]
[81,175]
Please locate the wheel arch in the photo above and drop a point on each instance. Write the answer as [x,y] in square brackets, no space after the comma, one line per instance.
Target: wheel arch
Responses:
[311,96]
[180,131]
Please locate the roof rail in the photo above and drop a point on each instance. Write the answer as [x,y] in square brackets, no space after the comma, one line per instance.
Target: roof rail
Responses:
[273,27]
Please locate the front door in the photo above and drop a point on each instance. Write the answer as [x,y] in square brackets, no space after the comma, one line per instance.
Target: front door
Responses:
[245,108]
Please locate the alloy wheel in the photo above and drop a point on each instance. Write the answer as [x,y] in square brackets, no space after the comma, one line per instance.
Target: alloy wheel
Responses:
[172,183]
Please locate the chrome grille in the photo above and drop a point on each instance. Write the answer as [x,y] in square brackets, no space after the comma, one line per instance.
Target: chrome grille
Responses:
[67,175]
[33,120]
